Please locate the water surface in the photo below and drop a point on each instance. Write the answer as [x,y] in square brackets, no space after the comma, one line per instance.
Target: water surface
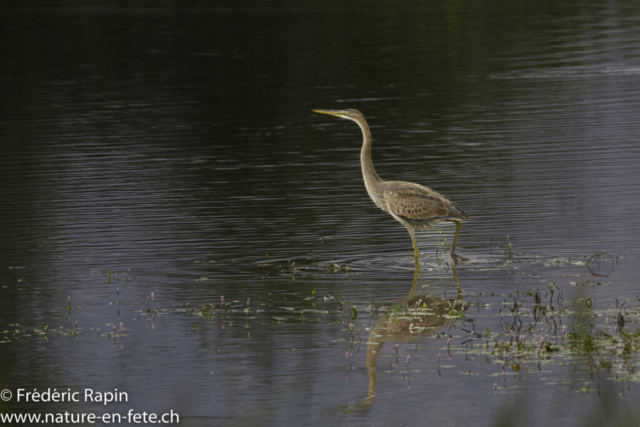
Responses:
[172,150]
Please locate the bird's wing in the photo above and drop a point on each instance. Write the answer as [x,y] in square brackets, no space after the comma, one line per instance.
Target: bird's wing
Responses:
[415,202]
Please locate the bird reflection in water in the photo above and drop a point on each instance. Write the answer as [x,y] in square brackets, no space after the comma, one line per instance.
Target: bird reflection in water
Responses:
[422,315]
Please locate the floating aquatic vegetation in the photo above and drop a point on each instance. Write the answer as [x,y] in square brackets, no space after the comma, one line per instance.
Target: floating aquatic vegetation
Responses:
[117,275]
[543,330]
[533,331]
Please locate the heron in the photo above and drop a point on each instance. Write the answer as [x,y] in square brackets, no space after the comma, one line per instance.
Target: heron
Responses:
[412,205]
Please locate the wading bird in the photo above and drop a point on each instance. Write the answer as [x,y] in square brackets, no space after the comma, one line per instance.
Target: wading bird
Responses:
[412,205]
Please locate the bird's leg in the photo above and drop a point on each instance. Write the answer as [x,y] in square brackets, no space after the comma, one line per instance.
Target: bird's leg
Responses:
[415,248]
[417,254]
[455,241]
[412,292]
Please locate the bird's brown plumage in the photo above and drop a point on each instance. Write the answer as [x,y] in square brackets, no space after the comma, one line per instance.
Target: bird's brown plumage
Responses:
[418,205]
[413,205]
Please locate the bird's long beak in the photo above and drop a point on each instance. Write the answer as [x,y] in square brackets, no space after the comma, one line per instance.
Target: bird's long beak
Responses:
[337,113]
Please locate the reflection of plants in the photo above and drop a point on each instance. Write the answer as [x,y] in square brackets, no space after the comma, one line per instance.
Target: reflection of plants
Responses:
[582,342]
[311,297]
[312,252]
[441,248]
[126,276]
[456,311]
[600,257]
[333,268]
[546,338]
[352,312]
[507,249]
[154,309]
[398,308]
[630,342]
[291,269]
[311,263]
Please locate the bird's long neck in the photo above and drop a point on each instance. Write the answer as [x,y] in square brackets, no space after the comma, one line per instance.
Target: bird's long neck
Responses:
[371,179]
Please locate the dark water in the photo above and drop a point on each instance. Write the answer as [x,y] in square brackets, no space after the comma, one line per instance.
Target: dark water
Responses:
[171,149]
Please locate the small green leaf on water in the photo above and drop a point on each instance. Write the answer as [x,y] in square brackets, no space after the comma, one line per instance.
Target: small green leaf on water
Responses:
[313,292]
[355,313]
[515,367]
